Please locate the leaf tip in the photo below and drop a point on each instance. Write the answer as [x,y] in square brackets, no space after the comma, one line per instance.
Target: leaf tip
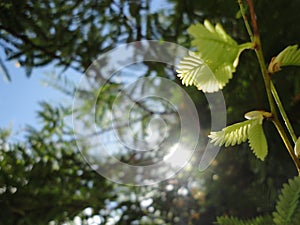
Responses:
[297,147]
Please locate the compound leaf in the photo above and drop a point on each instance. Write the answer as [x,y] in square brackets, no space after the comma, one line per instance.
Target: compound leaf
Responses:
[194,71]
[225,220]
[213,42]
[232,135]
[286,207]
[217,54]
[250,129]
[260,220]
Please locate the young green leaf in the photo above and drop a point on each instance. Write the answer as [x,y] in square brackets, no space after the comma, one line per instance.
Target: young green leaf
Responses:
[217,54]
[286,208]
[257,141]
[250,129]
[255,115]
[232,135]
[290,56]
[194,71]
[213,42]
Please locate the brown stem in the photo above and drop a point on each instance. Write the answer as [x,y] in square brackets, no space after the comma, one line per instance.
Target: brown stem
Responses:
[253,17]
[267,81]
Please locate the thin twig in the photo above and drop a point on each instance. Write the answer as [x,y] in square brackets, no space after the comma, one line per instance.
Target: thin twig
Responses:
[283,113]
[267,80]
[243,10]
[253,18]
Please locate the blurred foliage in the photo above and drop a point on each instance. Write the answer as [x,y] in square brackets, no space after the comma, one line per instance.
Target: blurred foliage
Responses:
[44,178]
[286,209]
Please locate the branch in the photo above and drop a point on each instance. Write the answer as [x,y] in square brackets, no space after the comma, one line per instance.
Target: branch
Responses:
[267,80]
[283,113]
[43,49]
[253,17]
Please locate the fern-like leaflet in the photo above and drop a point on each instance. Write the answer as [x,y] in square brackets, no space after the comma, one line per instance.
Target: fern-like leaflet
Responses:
[194,71]
[260,220]
[250,130]
[212,66]
[286,208]
[232,135]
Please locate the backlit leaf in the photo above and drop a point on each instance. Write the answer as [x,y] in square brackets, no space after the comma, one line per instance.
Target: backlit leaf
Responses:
[193,71]
[250,129]
[211,67]
[257,141]
[290,56]
[232,135]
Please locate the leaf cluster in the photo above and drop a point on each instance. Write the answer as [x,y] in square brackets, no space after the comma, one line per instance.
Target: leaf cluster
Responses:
[211,67]
[251,130]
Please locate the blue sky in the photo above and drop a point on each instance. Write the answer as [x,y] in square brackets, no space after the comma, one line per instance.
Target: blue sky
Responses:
[19,98]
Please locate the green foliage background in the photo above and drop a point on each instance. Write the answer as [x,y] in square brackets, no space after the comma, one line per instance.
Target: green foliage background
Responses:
[43,178]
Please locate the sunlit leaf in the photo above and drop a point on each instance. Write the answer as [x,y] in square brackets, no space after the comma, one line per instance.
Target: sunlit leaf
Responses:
[212,66]
[290,56]
[213,41]
[232,135]
[193,71]
[257,141]
[250,129]
[215,44]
